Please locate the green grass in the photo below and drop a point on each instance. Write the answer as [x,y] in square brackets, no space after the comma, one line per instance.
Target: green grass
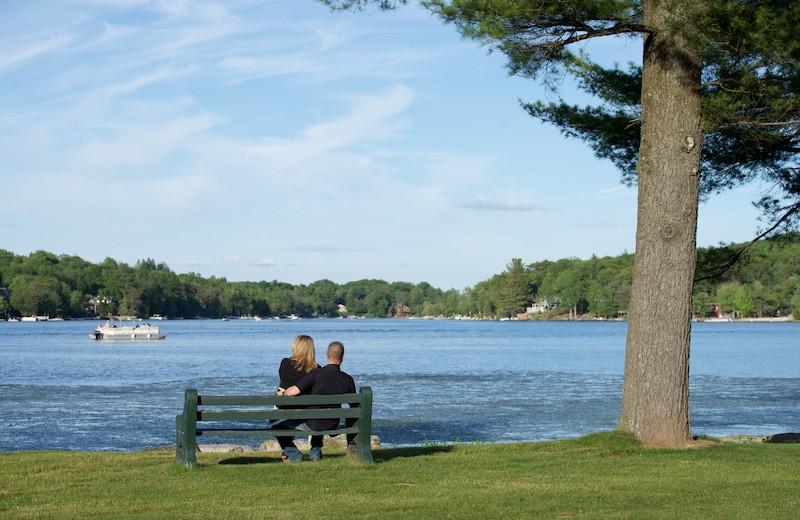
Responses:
[605,475]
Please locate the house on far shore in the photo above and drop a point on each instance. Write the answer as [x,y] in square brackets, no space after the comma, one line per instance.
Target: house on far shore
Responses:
[401,311]
[542,306]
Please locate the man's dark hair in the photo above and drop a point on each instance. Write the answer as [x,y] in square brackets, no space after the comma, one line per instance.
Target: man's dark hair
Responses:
[336,351]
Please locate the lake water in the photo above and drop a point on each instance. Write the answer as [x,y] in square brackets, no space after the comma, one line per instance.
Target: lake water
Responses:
[433,380]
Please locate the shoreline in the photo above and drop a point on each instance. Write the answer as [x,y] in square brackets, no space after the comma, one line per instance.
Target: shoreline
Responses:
[271,446]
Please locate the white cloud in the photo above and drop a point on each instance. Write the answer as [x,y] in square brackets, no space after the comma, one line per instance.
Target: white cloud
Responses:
[371,119]
[136,82]
[137,146]
[257,262]
[17,53]
[616,191]
[489,205]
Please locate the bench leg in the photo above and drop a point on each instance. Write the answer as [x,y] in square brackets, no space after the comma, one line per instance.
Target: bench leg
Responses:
[360,450]
[358,446]
[185,444]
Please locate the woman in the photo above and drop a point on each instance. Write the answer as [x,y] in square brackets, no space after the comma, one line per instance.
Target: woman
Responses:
[302,362]
[291,371]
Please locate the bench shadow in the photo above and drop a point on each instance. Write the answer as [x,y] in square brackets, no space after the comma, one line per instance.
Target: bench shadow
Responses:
[250,460]
[385,454]
[784,438]
[379,455]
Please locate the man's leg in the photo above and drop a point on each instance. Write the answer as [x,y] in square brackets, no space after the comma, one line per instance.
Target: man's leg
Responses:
[315,453]
[316,448]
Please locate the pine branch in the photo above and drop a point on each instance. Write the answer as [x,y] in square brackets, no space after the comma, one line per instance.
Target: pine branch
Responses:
[722,269]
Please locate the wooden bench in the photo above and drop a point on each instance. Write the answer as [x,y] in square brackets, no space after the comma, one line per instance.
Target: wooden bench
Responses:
[250,416]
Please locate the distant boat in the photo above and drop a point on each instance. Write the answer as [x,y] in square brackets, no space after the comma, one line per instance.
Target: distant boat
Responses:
[109,331]
[157,317]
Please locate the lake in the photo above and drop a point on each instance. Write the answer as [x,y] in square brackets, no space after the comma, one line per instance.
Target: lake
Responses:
[433,380]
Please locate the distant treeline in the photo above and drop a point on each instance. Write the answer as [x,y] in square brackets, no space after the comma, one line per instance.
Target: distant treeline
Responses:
[765,281]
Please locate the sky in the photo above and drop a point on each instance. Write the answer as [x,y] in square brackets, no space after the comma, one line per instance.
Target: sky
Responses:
[277,140]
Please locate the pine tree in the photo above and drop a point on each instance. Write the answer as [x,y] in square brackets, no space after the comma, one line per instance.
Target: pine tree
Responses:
[714,103]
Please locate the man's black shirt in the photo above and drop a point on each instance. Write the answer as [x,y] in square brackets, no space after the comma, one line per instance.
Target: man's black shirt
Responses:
[326,381]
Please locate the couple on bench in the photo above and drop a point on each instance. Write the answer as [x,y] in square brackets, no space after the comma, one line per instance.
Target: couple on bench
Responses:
[300,374]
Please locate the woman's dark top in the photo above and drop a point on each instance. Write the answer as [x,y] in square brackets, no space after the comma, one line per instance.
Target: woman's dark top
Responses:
[290,375]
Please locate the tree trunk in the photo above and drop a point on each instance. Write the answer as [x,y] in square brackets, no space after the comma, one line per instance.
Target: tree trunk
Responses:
[655,397]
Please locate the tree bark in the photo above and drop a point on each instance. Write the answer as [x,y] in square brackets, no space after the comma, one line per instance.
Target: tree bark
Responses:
[655,397]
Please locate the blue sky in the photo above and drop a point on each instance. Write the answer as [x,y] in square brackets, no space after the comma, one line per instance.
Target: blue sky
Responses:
[275,140]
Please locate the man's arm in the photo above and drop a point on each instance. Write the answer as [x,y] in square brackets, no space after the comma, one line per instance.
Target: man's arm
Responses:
[291,391]
[304,385]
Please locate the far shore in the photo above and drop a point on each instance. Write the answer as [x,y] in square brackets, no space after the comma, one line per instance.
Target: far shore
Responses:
[518,317]
[592,317]
[768,319]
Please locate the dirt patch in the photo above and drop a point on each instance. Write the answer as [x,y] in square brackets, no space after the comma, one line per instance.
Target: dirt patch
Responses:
[694,443]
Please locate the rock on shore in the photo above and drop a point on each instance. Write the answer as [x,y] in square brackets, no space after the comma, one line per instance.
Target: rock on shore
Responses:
[782,438]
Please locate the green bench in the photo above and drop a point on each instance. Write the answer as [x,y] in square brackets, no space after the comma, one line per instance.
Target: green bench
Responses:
[250,416]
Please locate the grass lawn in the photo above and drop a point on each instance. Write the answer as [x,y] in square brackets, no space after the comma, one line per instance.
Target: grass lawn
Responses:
[606,475]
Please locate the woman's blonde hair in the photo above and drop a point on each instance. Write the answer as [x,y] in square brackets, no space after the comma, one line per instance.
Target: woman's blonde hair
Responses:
[303,353]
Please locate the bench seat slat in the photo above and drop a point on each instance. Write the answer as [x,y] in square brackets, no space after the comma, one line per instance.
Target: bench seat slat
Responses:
[255,415]
[266,432]
[279,400]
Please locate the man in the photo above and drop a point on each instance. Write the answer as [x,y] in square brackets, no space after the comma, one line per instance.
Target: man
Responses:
[324,381]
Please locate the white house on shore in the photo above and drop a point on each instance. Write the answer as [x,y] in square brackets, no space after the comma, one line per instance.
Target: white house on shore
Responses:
[541,306]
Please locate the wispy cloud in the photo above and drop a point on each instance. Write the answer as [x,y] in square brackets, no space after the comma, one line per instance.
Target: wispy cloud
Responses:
[489,205]
[255,262]
[372,118]
[146,79]
[198,263]
[19,54]
[616,191]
